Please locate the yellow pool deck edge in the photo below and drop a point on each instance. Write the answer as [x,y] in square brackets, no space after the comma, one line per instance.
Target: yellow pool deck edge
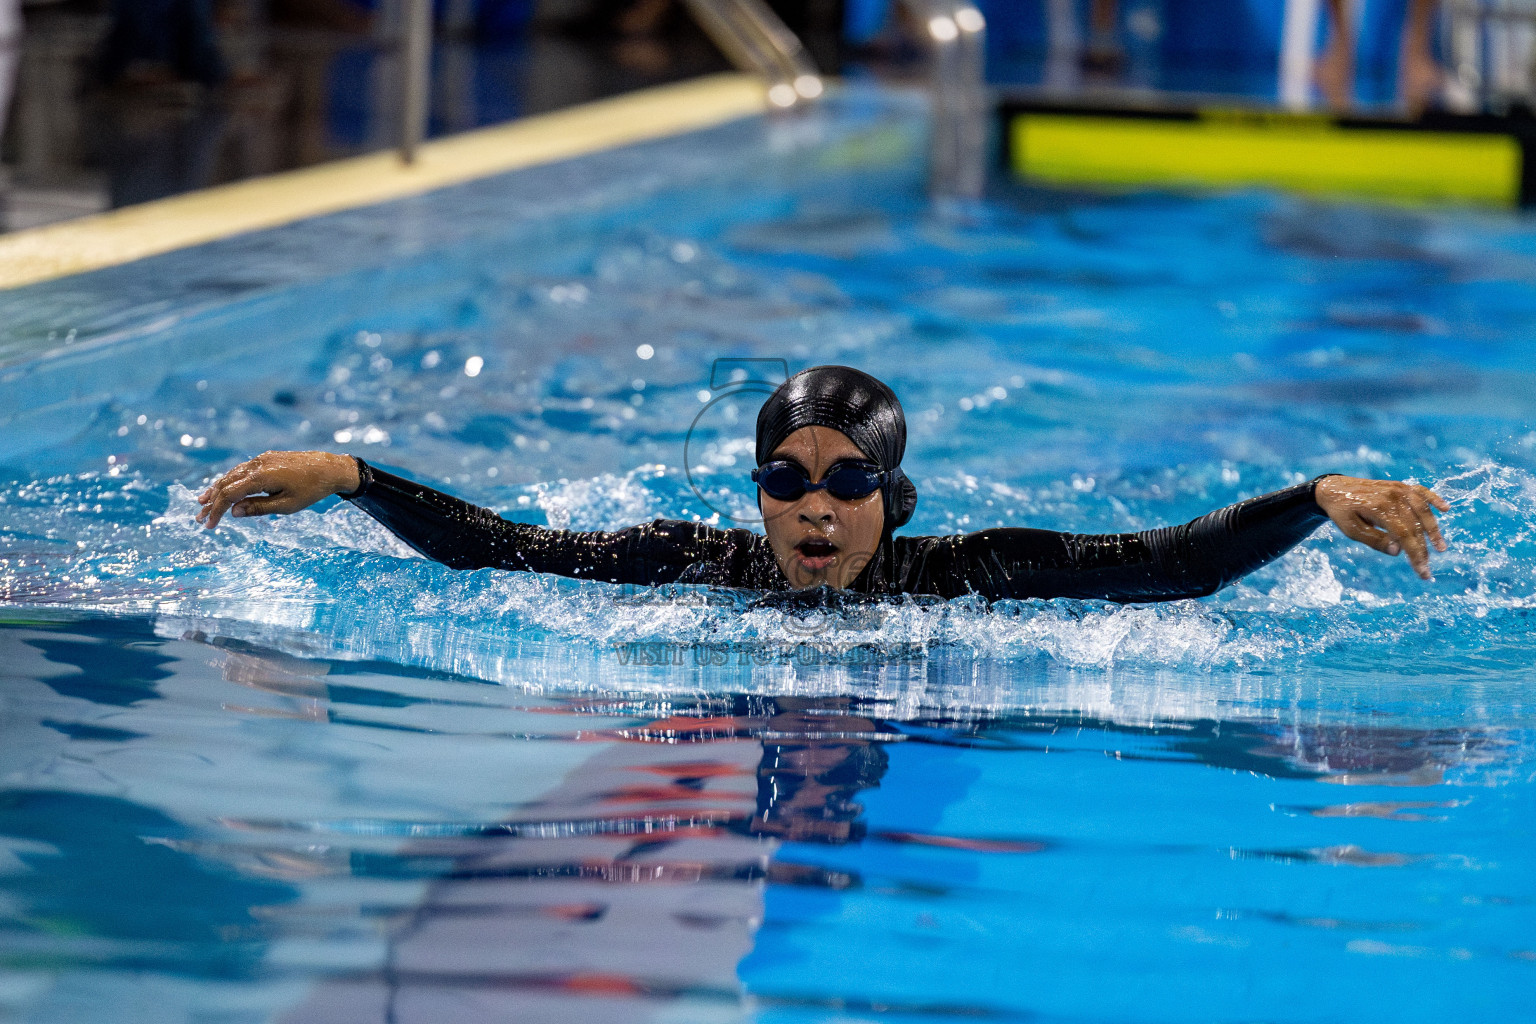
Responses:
[134,232]
[1292,152]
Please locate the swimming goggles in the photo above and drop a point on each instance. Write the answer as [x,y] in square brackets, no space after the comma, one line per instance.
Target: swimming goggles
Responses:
[787,481]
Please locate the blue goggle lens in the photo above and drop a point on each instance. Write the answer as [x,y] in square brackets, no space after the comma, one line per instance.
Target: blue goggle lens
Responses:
[786,481]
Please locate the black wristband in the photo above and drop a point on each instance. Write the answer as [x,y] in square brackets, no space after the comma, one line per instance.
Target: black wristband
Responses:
[364,478]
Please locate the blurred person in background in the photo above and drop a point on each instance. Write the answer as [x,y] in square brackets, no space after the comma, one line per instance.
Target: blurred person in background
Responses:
[10,54]
[629,17]
[1420,78]
[332,15]
[1074,60]
[1105,54]
[638,26]
[152,41]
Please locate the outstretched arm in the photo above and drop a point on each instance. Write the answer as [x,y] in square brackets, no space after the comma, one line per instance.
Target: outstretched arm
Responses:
[458,534]
[465,536]
[1192,560]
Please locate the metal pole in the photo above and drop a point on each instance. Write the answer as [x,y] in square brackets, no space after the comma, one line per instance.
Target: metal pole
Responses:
[1298,36]
[416,77]
[957,38]
[756,40]
[976,116]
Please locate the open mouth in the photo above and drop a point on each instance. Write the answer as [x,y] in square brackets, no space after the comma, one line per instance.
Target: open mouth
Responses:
[816,552]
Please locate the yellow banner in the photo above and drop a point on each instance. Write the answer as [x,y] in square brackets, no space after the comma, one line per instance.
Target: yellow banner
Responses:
[1306,154]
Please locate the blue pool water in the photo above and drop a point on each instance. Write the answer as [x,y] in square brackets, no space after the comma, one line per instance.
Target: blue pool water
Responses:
[288,772]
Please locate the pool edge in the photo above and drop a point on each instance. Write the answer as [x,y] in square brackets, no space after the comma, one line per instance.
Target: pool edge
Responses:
[194,218]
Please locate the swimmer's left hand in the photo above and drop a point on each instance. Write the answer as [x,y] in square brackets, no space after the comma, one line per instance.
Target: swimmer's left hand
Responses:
[1388,515]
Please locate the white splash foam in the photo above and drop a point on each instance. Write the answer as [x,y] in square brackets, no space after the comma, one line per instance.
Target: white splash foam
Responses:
[1307,581]
[605,502]
[1329,598]
[340,527]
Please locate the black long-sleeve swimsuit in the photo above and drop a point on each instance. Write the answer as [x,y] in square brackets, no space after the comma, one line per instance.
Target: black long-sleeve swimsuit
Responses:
[1192,560]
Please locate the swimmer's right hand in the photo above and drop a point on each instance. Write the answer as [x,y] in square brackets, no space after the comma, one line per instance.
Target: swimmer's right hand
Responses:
[277,483]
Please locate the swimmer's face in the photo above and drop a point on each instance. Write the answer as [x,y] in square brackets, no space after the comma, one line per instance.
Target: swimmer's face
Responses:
[818,538]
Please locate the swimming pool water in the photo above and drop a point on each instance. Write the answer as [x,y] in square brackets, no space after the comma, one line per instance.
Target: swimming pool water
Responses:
[288,772]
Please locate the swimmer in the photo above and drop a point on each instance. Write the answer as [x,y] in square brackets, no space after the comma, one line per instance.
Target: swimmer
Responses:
[831,490]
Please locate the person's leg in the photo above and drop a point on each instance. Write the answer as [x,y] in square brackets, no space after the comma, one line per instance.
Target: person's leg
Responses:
[1064,41]
[1104,52]
[1419,78]
[195,50]
[10,55]
[1103,16]
[119,46]
[1335,70]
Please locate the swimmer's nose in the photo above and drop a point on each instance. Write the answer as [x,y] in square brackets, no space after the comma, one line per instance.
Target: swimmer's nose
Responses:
[815,515]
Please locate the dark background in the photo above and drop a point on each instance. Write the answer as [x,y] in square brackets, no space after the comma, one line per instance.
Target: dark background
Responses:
[123,101]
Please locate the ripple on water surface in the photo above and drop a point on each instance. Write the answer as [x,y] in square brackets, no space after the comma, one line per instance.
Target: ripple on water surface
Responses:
[197,823]
[262,774]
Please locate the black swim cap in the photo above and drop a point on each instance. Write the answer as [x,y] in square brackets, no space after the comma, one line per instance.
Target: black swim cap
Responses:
[858,405]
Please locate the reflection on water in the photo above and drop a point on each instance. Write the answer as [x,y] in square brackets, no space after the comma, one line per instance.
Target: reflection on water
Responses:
[344,783]
[198,823]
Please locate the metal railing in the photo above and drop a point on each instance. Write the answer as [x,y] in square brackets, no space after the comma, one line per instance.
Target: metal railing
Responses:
[957,39]
[757,40]
[754,38]
[1491,53]
[416,73]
